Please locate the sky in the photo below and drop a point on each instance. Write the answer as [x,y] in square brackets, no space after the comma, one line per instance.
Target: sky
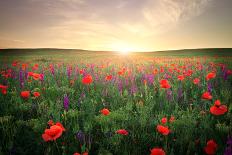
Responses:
[133,25]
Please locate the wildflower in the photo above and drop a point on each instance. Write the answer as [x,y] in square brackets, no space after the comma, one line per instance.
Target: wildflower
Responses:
[218,109]
[196,81]
[25,94]
[157,151]
[210,76]
[163,130]
[36,94]
[66,102]
[164,84]
[180,77]
[87,79]
[164,120]
[122,132]
[172,119]
[108,77]
[53,133]
[206,96]
[211,147]
[105,112]
[36,76]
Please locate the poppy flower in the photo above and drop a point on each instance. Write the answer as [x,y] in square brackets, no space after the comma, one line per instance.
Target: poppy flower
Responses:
[76,153]
[3,87]
[206,96]
[108,77]
[4,91]
[163,130]
[122,132]
[196,81]
[25,94]
[180,77]
[164,120]
[36,76]
[36,94]
[53,133]
[218,109]
[105,112]
[172,119]
[211,147]
[157,151]
[87,79]
[164,84]
[210,76]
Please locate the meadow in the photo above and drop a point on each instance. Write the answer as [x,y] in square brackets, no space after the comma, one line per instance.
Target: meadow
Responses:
[102,103]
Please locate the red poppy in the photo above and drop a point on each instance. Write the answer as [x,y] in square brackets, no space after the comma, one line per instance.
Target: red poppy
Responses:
[87,79]
[3,87]
[25,94]
[53,133]
[196,81]
[218,109]
[172,119]
[164,120]
[211,147]
[180,77]
[36,94]
[36,76]
[210,76]
[108,77]
[122,132]
[30,73]
[163,130]
[105,112]
[76,153]
[157,151]
[164,83]
[206,96]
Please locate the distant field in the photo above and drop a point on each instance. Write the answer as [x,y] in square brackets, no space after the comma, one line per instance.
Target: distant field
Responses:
[71,52]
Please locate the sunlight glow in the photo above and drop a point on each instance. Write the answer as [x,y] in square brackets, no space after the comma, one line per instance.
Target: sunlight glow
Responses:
[124,48]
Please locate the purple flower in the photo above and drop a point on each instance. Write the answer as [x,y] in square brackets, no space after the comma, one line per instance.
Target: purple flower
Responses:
[209,87]
[66,102]
[228,150]
[80,137]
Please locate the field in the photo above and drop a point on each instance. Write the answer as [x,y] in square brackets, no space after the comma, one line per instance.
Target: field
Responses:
[69,102]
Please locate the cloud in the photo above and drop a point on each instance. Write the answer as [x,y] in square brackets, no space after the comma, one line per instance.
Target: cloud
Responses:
[165,12]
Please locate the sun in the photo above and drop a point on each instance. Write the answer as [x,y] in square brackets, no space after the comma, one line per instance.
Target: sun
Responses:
[123,48]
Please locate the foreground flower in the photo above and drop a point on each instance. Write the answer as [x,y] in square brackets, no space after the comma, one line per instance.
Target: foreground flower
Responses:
[210,76]
[122,132]
[211,147]
[105,112]
[25,94]
[164,84]
[87,79]
[53,133]
[206,96]
[157,151]
[36,76]
[163,130]
[218,109]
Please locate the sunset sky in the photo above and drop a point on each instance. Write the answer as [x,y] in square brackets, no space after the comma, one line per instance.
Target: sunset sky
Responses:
[135,25]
